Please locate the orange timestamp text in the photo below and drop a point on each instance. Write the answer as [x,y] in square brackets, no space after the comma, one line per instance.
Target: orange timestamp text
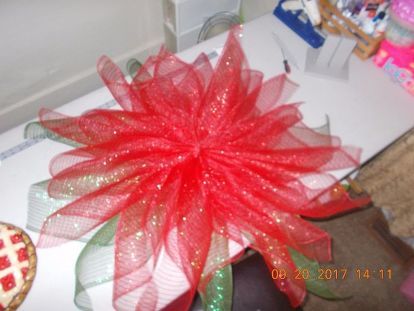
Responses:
[333,274]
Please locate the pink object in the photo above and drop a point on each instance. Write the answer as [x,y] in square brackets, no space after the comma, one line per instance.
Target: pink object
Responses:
[398,62]
[404,10]
[407,288]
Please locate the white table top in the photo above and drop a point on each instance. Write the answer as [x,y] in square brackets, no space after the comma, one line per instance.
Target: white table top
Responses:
[369,111]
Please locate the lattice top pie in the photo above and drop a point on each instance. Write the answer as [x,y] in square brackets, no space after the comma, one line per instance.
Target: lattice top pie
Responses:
[17,266]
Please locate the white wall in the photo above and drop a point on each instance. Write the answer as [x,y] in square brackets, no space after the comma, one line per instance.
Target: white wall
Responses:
[48,48]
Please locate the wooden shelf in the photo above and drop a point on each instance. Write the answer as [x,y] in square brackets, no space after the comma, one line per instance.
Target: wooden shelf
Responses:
[334,22]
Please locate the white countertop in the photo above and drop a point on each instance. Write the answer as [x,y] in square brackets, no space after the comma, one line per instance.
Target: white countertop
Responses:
[369,111]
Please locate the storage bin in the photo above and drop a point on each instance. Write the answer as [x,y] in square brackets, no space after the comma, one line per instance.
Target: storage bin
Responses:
[179,42]
[184,15]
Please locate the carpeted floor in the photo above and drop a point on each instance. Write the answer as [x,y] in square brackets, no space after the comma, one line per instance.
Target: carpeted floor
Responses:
[357,246]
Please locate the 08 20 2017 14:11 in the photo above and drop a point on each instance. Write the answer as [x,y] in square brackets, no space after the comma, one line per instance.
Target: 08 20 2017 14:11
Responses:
[333,274]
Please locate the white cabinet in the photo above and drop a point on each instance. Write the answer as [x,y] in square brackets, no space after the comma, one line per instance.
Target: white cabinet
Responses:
[183,19]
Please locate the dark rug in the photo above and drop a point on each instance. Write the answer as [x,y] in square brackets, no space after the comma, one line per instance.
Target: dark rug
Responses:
[358,246]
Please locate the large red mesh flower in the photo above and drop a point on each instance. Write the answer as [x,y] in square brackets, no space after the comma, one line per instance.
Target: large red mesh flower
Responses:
[196,152]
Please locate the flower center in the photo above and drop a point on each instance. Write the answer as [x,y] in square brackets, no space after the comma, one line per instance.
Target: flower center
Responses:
[196,150]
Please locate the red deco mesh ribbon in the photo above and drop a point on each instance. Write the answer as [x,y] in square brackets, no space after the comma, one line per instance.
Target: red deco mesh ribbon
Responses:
[196,152]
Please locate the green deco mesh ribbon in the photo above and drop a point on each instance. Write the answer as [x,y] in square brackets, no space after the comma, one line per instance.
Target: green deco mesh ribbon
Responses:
[95,264]
[35,130]
[219,291]
[314,285]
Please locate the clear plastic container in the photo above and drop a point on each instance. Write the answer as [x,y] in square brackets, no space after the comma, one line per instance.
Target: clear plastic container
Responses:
[400,29]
